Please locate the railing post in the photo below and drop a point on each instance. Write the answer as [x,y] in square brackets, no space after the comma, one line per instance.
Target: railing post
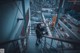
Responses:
[16,44]
[51,43]
[44,42]
[42,45]
[20,46]
[62,47]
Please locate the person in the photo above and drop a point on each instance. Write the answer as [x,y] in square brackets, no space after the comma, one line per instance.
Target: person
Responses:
[39,32]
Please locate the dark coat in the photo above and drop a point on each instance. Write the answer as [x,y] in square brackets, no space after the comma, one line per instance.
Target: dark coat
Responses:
[38,31]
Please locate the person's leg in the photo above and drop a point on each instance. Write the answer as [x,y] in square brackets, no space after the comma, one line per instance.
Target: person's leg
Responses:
[37,43]
[39,40]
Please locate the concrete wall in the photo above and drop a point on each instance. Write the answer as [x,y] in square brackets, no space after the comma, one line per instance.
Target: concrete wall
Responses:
[9,12]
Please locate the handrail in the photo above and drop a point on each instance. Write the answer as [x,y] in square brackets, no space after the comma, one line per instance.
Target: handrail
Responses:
[64,40]
[7,42]
[59,39]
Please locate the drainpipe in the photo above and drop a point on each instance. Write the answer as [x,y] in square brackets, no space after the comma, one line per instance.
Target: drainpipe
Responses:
[24,17]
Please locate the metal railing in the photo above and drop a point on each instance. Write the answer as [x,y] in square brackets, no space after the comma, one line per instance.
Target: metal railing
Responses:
[61,49]
[11,41]
[16,43]
[73,42]
[61,40]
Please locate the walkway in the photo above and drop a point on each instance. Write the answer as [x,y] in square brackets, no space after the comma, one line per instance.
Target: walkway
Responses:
[31,47]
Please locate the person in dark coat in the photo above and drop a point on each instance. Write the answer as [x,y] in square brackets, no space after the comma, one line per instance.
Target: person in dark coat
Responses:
[38,33]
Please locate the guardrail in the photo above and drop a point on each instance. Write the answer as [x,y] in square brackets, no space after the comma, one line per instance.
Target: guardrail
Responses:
[11,41]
